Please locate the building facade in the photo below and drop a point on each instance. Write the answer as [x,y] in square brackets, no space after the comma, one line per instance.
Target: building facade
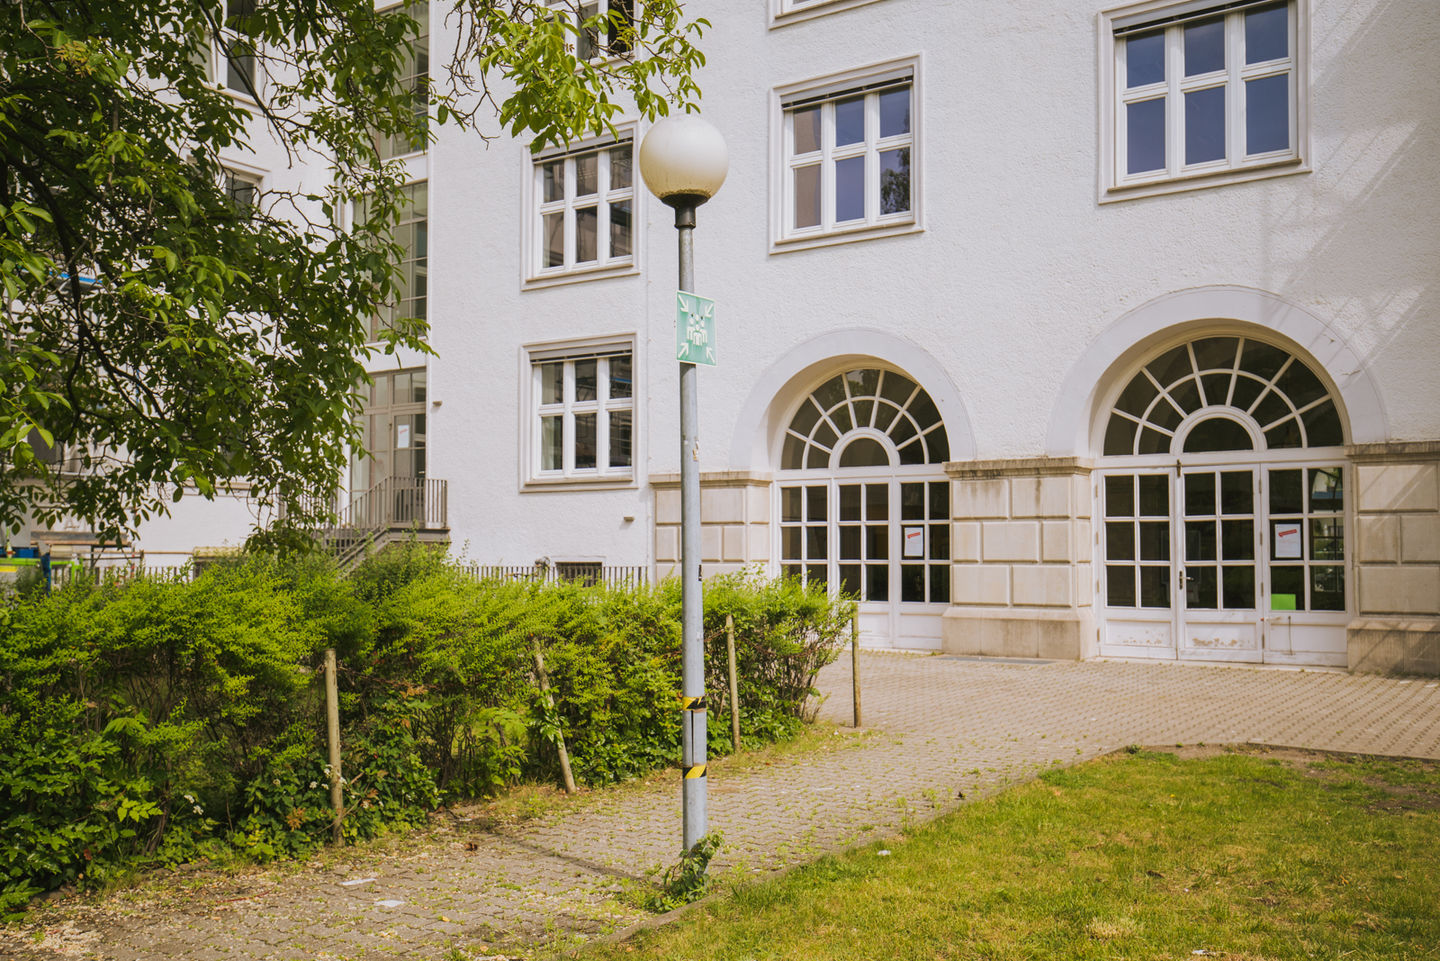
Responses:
[1046,329]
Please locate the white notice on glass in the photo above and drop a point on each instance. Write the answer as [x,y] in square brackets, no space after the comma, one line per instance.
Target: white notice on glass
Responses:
[914,542]
[1287,540]
[402,436]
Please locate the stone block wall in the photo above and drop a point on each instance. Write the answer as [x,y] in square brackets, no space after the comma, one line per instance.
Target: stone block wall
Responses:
[1397,558]
[1022,584]
[734,522]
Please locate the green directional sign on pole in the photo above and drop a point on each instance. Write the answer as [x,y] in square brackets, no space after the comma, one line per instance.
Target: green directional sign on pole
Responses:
[694,329]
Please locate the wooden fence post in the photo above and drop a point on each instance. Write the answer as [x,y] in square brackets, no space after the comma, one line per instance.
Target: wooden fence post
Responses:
[332,734]
[855,660]
[550,702]
[734,682]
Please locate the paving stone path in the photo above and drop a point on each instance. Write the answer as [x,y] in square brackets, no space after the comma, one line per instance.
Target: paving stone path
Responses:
[936,727]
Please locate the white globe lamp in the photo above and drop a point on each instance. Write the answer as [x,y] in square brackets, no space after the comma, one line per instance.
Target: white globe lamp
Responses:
[683,160]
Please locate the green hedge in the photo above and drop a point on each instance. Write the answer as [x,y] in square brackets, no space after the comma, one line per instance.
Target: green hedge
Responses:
[147,722]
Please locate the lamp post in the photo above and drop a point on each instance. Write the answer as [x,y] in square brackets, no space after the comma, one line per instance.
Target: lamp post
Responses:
[684,162]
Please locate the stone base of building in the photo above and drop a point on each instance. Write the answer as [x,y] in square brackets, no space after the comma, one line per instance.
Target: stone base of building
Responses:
[1007,632]
[1394,646]
[734,522]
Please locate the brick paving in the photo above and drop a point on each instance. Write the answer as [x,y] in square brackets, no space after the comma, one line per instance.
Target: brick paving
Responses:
[936,727]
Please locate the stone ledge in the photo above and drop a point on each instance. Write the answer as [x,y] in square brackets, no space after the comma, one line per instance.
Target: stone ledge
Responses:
[1411,624]
[1053,634]
[1407,451]
[717,478]
[1018,467]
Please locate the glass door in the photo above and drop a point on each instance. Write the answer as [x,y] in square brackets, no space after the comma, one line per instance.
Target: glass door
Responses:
[1137,584]
[864,540]
[1217,575]
[388,484]
[1224,563]
[882,540]
[1305,612]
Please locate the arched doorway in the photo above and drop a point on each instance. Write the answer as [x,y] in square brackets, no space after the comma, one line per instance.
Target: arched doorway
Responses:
[1221,509]
[864,504]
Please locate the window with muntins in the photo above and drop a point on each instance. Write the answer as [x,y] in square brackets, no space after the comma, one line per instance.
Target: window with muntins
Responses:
[1307,569]
[1200,397]
[414,83]
[584,210]
[1204,91]
[413,236]
[236,49]
[848,159]
[602,28]
[584,415]
[243,190]
[840,424]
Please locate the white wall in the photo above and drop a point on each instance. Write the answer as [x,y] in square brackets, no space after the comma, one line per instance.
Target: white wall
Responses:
[1018,272]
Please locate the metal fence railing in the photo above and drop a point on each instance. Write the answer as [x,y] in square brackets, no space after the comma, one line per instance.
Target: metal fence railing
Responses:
[581,572]
[115,569]
[61,572]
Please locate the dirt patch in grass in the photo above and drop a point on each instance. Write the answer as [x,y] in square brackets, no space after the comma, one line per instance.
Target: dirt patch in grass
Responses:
[1336,769]
[1185,752]
[1404,797]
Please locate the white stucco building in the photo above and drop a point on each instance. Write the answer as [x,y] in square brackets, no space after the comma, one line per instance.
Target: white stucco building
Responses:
[1050,329]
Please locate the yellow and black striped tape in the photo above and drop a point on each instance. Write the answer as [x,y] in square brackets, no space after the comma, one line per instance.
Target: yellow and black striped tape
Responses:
[696,771]
[692,703]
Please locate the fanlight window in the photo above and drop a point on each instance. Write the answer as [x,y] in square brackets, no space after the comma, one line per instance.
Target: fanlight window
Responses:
[876,403]
[1257,382]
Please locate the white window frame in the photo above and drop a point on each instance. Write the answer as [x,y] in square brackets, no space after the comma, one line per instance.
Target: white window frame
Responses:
[409,265]
[219,66]
[576,9]
[783,235]
[235,173]
[394,6]
[536,274]
[785,12]
[1115,183]
[569,477]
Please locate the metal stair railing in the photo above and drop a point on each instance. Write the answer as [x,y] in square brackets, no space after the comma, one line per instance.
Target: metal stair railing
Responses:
[394,504]
[409,502]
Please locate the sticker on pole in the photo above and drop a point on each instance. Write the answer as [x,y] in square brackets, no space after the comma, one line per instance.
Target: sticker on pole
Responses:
[694,329]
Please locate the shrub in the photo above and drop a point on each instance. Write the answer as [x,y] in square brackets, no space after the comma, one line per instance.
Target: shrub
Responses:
[785,633]
[148,721]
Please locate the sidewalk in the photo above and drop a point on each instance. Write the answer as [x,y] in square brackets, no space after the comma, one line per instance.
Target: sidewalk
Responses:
[937,727]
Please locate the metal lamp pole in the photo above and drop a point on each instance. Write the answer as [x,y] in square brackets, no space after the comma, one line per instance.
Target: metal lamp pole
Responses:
[692,597]
[684,161]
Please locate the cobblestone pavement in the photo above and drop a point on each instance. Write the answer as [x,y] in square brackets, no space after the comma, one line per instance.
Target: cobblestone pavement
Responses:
[937,727]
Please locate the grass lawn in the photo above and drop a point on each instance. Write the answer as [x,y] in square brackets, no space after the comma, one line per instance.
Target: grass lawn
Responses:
[1148,855]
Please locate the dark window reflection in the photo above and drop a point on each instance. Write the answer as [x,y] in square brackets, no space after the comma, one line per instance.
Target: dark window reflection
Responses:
[1145,59]
[1145,136]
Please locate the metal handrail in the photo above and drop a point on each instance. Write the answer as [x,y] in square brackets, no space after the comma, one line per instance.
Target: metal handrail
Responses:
[413,502]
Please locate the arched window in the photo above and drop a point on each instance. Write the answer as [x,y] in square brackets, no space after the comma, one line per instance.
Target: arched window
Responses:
[1221,512]
[1217,433]
[879,403]
[871,515]
[1247,379]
